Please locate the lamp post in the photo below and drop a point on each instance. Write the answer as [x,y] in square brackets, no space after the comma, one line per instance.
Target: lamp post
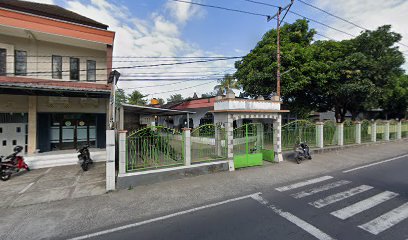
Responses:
[113,79]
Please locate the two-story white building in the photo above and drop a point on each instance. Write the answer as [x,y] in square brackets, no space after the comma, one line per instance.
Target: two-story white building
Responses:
[54,66]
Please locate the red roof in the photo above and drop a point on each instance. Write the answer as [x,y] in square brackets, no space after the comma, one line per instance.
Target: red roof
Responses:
[196,103]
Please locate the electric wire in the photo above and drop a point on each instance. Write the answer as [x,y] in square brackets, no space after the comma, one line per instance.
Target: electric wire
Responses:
[180,89]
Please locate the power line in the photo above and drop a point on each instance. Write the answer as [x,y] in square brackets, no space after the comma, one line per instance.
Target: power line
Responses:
[262,3]
[180,89]
[159,85]
[119,56]
[223,8]
[168,79]
[140,66]
[341,18]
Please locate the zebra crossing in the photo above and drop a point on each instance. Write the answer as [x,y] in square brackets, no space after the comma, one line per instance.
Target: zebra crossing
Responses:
[320,186]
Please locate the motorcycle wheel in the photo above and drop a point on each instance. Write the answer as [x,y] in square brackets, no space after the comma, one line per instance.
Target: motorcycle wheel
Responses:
[28,169]
[84,167]
[5,177]
[298,160]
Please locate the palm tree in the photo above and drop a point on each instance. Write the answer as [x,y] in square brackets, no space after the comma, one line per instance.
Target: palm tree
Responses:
[228,82]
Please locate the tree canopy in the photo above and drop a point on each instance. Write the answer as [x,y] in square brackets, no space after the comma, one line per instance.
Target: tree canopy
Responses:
[344,76]
[175,98]
[137,98]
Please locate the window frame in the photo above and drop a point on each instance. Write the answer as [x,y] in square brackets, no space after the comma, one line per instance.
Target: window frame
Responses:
[5,62]
[88,71]
[71,70]
[56,74]
[16,65]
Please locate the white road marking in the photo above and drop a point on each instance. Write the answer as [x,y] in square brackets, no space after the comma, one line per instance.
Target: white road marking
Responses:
[162,218]
[376,163]
[48,170]
[304,183]
[26,188]
[364,205]
[340,196]
[386,220]
[314,231]
[320,189]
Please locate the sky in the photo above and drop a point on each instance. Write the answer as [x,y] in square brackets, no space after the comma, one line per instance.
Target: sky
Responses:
[165,28]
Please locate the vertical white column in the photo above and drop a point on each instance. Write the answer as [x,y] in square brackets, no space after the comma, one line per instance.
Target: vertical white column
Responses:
[187,146]
[32,124]
[122,151]
[387,131]
[358,132]
[218,140]
[340,134]
[373,131]
[277,140]
[399,129]
[110,160]
[230,141]
[319,134]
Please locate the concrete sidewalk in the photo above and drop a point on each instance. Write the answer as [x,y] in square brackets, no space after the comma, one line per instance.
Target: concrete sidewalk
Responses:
[69,217]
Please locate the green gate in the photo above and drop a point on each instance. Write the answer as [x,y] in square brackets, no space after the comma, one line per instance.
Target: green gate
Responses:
[208,143]
[154,147]
[248,145]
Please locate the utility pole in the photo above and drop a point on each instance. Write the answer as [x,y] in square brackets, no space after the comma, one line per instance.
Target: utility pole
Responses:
[113,79]
[278,43]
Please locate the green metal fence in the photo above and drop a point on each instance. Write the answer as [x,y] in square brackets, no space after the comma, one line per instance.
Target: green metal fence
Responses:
[349,133]
[329,133]
[154,147]
[366,131]
[208,143]
[404,129]
[298,131]
[248,145]
[393,130]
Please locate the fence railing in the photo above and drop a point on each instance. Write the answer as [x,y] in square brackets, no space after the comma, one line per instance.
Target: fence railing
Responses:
[160,147]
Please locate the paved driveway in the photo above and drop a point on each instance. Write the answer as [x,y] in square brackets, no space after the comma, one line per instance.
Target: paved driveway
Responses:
[52,184]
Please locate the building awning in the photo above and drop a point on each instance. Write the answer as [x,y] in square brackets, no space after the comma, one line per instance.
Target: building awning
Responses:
[42,87]
[146,110]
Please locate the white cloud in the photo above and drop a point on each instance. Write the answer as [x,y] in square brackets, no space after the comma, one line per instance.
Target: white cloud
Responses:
[155,36]
[43,1]
[182,12]
[369,14]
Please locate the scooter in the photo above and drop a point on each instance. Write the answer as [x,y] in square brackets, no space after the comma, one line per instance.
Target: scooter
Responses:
[12,164]
[84,157]
[302,152]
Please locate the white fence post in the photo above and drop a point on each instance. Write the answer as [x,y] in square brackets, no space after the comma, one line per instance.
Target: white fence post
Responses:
[373,131]
[110,160]
[358,132]
[399,129]
[230,142]
[187,146]
[340,134]
[122,151]
[387,131]
[277,138]
[319,134]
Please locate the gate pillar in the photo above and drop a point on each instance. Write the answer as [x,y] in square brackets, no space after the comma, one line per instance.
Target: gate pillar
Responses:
[277,139]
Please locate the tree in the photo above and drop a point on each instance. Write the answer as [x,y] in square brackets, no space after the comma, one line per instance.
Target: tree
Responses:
[209,94]
[228,82]
[120,97]
[395,101]
[342,76]
[161,101]
[136,98]
[175,98]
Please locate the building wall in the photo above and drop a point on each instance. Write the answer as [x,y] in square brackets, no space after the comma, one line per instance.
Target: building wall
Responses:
[39,57]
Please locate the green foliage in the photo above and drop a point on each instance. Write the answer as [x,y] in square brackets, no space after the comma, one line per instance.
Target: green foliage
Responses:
[161,101]
[175,98]
[137,98]
[228,82]
[345,76]
[120,97]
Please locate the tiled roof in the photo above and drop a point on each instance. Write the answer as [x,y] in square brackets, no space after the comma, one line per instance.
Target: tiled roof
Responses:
[50,11]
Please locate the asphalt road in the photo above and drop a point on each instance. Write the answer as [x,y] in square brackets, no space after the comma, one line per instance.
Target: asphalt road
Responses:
[366,203]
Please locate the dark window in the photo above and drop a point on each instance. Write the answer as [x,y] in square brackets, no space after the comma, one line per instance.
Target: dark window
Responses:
[3,62]
[56,66]
[4,142]
[1,130]
[91,70]
[20,63]
[14,142]
[74,68]
[18,129]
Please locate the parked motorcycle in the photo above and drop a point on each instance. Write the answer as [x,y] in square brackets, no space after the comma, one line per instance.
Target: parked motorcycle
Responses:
[12,164]
[302,152]
[84,157]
